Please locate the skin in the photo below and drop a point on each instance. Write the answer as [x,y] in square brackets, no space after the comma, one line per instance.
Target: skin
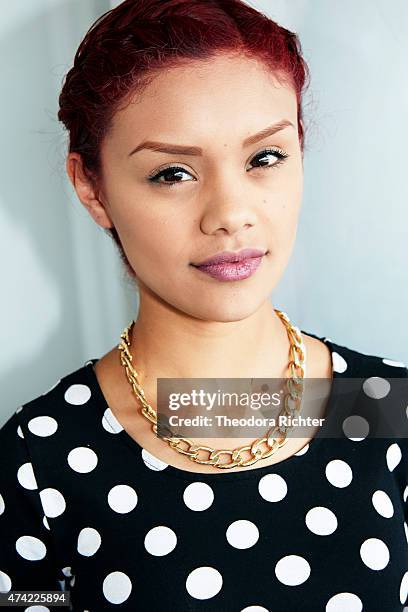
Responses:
[189,324]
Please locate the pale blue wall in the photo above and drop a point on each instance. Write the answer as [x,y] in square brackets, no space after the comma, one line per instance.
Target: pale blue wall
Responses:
[348,276]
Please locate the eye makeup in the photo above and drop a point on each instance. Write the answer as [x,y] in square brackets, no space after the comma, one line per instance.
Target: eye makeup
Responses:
[174,170]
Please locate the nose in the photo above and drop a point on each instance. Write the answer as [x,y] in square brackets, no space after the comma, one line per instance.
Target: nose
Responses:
[228,212]
[229,222]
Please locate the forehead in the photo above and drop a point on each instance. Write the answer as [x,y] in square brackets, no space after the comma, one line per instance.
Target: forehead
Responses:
[226,97]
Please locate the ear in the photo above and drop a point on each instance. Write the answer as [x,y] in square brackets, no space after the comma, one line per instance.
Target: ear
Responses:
[85,190]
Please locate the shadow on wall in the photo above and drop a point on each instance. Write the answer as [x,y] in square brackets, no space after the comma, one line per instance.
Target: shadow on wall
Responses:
[65,296]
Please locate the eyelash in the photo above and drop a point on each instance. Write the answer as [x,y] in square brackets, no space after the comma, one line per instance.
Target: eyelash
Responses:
[279,153]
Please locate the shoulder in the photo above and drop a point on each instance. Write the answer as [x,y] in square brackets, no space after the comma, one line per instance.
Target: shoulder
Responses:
[43,434]
[352,362]
[356,363]
[374,386]
[41,416]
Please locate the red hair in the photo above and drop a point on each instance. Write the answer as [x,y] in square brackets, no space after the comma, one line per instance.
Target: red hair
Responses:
[125,47]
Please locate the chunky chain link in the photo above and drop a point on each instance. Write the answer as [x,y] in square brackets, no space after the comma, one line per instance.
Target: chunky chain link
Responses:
[261,448]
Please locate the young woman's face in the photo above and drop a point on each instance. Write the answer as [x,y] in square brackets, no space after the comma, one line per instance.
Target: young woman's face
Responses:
[223,195]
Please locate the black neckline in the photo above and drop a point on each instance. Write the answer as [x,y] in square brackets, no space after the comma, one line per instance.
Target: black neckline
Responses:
[225,476]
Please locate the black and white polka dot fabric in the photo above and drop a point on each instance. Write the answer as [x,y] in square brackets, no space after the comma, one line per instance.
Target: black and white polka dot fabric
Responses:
[85,508]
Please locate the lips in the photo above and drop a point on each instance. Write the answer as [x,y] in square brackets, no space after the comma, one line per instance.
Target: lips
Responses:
[231,257]
[232,270]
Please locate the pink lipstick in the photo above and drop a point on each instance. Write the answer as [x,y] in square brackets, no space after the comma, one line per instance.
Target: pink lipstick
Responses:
[230,266]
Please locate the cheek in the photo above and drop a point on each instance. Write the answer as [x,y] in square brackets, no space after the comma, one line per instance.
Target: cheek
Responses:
[289,203]
[283,193]
[155,241]
[281,223]
[282,205]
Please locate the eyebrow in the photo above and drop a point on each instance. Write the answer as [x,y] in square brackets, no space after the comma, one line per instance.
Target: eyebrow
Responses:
[164,147]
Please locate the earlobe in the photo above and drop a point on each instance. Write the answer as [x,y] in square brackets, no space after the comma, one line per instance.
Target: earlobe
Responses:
[85,191]
[99,214]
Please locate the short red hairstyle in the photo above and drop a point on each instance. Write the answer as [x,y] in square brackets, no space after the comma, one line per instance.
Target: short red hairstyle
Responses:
[125,47]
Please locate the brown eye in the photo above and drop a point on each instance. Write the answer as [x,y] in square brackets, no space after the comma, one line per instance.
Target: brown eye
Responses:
[174,173]
[169,173]
[267,155]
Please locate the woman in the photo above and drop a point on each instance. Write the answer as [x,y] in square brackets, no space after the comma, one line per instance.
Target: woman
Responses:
[186,142]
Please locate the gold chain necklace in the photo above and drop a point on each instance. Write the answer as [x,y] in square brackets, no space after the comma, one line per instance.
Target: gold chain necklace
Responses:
[291,408]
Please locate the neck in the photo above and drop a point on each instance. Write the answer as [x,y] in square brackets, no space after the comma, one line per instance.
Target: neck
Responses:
[170,344]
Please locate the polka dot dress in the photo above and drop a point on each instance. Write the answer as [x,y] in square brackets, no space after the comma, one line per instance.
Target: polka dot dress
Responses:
[84,508]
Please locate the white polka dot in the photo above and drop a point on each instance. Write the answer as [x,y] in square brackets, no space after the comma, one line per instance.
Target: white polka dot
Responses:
[393,456]
[382,504]
[198,496]
[152,462]
[5,582]
[403,594]
[406,493]
[406,531]
[242,534]
[292,570]
[36,609]
[160,541]
[67,571]
[272,487]
[374,553]
[2,504]
[110,423]
[72,581]
[20,432]
[30,548]
[117,587]
[82,459]
[303,450]
[25,476]
[53,502]
[77,394]
[89,541]
[339,473]
[204,582]
[356,428]
[339,363]
[392,362]
[321,521]
[45,523]
[344,601]
[43,426]
[376,387]
[254,609]
[19,409]
[122,498]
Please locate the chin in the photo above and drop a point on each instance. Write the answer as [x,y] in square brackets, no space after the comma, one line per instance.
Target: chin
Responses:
[225,311]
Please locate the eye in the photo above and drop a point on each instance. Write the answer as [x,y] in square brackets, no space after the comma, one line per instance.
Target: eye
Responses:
[169,172]
[263,156]
[175,172]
